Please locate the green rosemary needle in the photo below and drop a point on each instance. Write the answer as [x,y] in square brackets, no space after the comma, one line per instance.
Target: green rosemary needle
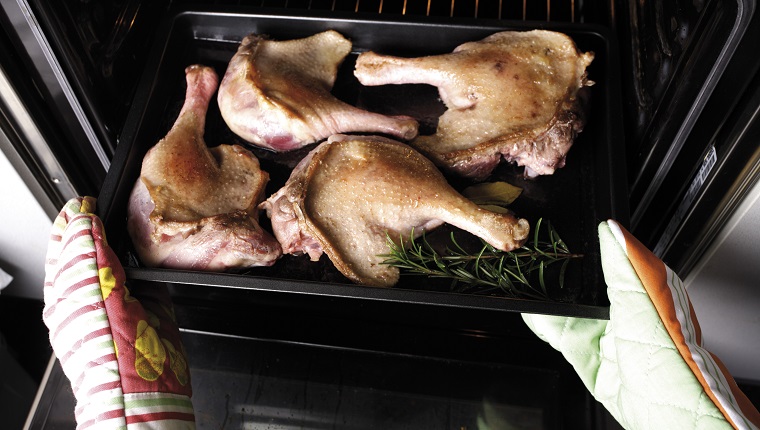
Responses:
[519,273]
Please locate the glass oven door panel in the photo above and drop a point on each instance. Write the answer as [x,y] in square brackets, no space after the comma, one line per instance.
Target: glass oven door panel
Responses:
[248,383]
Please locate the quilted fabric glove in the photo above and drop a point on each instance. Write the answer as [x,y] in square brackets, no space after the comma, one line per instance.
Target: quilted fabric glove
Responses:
[646,365]
[121,352]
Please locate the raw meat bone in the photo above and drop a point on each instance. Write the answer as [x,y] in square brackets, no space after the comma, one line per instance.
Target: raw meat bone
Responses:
[353,192]
[512,95]
[195,207]
[276,94]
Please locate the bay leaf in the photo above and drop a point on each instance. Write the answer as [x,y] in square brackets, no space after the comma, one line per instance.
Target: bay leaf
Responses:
[492,193]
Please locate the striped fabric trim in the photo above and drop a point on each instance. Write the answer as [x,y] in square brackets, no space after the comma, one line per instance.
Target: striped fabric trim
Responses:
[166,424]
[102,410]
[677,314]
[75,314]
[169,411]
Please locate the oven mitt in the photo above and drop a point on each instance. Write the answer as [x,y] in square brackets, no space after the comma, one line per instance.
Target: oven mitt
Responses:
[646,365]
[121,352]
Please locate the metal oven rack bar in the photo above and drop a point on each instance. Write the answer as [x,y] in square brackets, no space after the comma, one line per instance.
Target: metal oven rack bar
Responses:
[525,10]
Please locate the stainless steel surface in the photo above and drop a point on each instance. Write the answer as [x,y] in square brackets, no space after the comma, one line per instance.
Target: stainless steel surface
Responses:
[12,105]
[43,383]
[39,49]
[723,290]
[744,13]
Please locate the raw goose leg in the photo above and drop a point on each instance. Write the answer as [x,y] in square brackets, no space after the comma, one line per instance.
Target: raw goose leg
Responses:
[512,95]
[277,94]
[349,192]
[195,207]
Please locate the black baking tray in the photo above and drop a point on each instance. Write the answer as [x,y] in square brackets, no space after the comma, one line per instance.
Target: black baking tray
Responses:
[590,189]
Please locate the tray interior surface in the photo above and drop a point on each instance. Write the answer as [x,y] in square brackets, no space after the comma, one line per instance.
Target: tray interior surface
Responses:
[575,199]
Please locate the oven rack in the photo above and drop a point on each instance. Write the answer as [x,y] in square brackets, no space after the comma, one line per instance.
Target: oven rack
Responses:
[568,11]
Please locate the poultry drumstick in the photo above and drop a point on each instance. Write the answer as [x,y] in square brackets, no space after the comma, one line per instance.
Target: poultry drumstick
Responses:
[512,95]
[352,192]
[195,207]
[276,94]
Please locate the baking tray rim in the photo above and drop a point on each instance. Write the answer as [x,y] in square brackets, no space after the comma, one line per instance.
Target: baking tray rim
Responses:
[363,292]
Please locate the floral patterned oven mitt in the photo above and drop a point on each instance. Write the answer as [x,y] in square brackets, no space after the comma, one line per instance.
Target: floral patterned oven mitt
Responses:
[122,353]
[647,365]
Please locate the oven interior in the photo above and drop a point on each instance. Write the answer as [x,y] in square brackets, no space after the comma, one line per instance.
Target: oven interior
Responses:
[685,66]
[650,92]
[667,59]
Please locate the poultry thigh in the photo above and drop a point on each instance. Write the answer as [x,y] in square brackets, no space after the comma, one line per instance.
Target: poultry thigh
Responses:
[351,193]
[195,207]
[276,94]
[513,95]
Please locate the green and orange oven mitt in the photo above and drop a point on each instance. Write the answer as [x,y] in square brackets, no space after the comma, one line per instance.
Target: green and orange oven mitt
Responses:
[647,364]
[121,351]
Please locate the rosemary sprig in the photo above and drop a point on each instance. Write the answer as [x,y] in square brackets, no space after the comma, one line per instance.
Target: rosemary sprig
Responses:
[488,269]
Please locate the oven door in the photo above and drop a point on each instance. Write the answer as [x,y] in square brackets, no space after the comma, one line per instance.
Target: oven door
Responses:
[271,364]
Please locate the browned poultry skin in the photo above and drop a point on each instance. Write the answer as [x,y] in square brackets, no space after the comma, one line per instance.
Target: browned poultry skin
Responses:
[186,179]
[352,192]
[276,94]
[195,207]
[510,95]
